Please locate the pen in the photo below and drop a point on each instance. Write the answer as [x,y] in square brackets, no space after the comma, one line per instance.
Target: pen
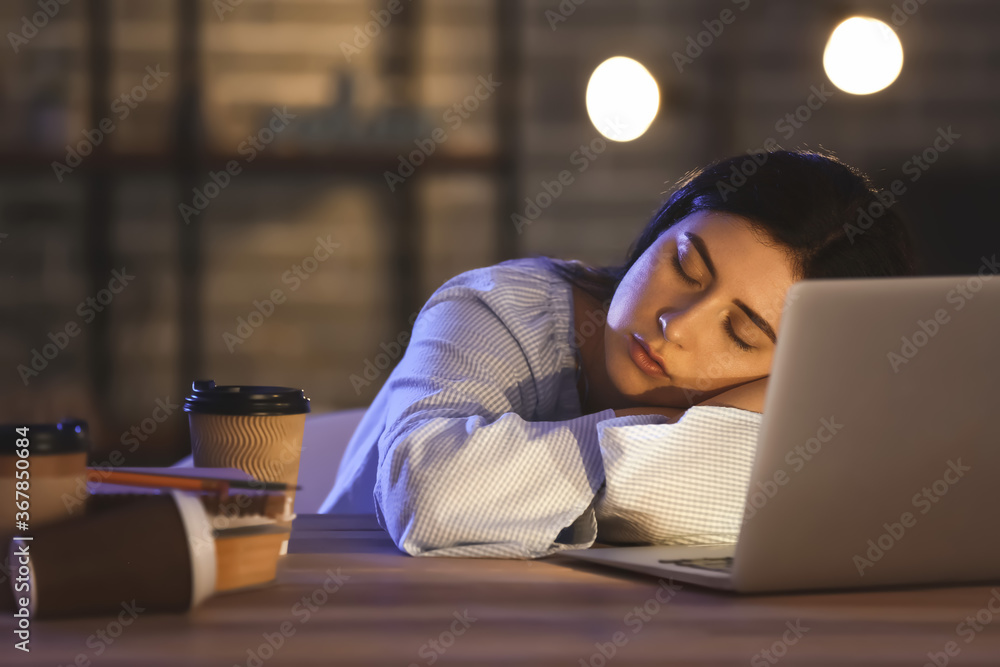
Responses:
[187,483]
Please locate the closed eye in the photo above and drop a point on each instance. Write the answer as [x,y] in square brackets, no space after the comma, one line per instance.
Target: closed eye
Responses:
[728,326]
[676,261]
[728,322]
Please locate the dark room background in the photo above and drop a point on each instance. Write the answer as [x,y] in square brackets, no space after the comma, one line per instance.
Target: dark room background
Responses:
[211,175]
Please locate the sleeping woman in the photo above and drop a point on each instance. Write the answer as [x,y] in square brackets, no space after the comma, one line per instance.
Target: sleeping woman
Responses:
[543,404]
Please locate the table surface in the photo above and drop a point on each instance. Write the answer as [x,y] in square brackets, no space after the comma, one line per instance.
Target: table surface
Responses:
[345,595]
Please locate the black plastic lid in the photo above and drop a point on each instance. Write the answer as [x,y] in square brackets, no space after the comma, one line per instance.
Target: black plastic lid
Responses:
[206,398]
[70,436]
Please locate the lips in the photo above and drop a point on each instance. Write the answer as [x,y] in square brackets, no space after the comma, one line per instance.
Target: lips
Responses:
[644,358]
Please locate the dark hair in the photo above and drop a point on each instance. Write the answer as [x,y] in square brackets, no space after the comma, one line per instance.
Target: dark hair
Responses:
[826,213]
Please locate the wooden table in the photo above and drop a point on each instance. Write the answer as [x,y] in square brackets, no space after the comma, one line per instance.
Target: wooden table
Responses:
[346,596]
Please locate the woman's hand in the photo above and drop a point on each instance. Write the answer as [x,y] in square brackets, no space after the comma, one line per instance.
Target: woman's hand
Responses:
[748,396]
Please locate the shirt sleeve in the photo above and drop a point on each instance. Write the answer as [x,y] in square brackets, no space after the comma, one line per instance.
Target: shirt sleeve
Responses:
[678,483]
[462,470]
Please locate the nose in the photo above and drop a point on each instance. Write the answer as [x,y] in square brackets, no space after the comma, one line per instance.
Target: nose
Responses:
[678,325]
[668,327]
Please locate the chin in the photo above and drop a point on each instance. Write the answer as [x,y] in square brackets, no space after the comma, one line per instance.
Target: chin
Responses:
[642,389]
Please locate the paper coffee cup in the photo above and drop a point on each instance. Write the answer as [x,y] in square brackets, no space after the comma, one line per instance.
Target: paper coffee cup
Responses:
[51,474]
[47,463]
[141,554]
[255,429]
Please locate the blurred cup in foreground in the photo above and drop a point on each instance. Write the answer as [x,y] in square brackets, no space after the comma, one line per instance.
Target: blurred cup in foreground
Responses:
[137,555]
[47,464]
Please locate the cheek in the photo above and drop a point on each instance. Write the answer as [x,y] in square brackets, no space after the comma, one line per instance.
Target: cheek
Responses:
[728,366]
[619,311]
[722,365]
[627,299]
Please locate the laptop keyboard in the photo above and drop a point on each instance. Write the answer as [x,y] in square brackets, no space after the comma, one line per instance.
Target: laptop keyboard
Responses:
[718,564]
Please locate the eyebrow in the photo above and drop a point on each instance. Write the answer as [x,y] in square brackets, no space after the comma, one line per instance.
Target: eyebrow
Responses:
[699,245]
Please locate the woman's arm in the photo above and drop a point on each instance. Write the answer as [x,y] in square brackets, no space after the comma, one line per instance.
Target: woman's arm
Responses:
[683,482]
[463,468]
[678,483]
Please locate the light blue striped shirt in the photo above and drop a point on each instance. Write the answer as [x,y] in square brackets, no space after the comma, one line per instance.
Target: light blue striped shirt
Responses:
[476,445]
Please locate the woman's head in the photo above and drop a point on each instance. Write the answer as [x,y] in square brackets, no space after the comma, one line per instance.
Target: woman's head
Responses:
[704,284]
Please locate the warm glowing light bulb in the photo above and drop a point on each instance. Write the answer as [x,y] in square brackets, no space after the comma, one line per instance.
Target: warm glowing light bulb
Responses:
[863,56]
[622,99]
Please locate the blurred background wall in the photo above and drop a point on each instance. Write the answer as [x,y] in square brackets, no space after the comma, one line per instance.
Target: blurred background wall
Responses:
[212,174]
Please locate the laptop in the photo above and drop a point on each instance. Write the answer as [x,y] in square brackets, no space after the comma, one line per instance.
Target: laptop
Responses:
[878,456]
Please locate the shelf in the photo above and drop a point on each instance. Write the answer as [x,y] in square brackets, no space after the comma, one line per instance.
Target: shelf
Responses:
[348,162]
